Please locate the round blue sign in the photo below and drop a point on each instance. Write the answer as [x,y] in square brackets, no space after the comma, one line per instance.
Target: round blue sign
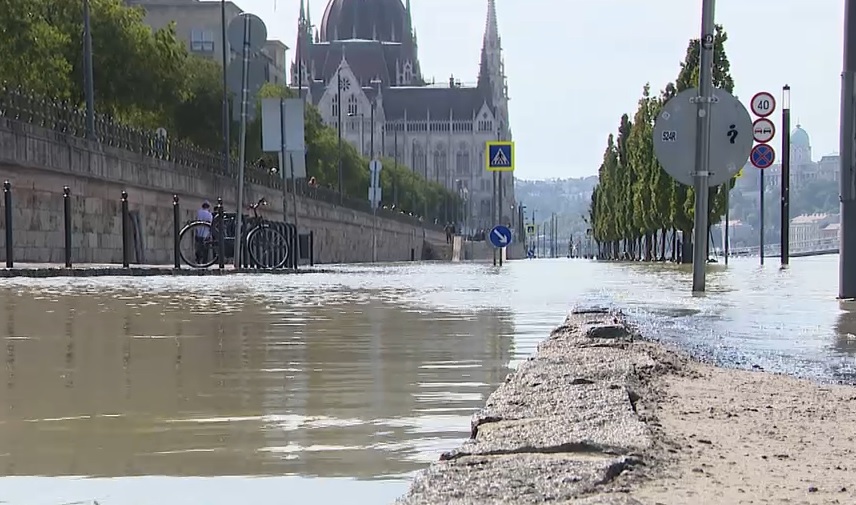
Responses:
[500,236]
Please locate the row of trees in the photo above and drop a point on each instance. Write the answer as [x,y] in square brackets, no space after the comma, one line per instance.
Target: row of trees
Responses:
[148,79]
[636,203]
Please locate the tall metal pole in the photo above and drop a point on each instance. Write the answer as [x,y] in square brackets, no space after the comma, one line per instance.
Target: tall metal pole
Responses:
[847,251]
[761,193]
[395,165]
[341,182]
[499,209]
[362,137]
[371,138]
[243,143]
[226,116]
[88,74]
[786,175]
[702,160]
[727,220]
[493,211]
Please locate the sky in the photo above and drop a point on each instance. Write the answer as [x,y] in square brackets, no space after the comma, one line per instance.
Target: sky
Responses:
[575,66]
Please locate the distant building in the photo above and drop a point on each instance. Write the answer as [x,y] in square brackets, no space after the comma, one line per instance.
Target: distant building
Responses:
[814,228]
[369,48]
[803,169]
[198,24]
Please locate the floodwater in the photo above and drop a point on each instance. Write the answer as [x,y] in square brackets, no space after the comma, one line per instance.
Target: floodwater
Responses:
[336,388]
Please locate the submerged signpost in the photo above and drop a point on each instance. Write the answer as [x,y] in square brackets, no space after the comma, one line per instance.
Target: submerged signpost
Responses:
[499,158]
[702,138]
[762,154]
[375,197]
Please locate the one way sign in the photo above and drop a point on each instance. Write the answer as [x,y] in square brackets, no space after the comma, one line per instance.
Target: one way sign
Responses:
[763,130]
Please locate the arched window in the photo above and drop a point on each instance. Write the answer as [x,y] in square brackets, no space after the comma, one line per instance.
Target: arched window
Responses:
[440,164]
[408,73]
[462,160]
[335,105]
[419,164]
[352,106]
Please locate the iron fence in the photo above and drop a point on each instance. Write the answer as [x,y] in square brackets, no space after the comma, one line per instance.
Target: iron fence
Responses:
[67,118]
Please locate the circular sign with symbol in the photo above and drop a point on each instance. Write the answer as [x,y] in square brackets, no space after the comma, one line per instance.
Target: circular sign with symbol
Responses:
[763,104]
[500,236]
[763,130]
[762,156]
[674,137]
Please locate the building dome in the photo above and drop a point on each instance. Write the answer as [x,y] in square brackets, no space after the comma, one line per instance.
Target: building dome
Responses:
[799,138]
[383,20]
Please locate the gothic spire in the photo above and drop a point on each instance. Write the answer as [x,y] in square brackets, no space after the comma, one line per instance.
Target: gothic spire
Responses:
[408,22]
[491,29]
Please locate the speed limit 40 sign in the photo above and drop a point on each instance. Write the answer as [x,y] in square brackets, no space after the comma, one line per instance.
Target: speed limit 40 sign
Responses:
[763,104]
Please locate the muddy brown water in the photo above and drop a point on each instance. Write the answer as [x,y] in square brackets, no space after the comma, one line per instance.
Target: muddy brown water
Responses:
[337,387]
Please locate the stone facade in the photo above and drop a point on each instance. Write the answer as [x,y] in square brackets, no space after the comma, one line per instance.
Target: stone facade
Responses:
[39,163]
[361,69]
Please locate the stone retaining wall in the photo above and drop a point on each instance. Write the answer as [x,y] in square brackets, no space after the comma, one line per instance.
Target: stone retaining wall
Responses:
[38,162]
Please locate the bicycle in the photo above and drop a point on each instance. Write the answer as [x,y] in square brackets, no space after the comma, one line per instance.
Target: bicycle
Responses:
[266,247]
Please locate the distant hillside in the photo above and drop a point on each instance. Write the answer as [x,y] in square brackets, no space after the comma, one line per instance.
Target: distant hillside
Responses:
[568,198]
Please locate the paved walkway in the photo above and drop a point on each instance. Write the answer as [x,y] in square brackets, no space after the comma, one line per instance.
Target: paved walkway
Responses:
[101,270]
[600,416]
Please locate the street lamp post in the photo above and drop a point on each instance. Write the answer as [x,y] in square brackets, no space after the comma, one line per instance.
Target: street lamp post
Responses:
[786,175]
[362,121]
[225,58]
[339,119]
[88,74]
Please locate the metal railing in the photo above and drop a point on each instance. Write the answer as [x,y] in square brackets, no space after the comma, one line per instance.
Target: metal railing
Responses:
[798,247]
[61,116]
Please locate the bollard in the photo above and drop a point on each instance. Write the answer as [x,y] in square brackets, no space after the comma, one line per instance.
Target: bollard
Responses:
[221,235]
[7,207]
[126,249]
[312,248]
[176,228]
[66,211]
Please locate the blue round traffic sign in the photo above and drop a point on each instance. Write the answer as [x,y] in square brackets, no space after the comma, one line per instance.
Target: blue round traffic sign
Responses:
[500,236]
[762,156]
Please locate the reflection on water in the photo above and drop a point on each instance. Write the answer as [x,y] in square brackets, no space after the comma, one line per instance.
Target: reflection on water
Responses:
[337,386]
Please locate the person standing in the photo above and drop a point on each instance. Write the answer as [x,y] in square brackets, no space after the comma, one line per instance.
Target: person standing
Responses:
[203,233]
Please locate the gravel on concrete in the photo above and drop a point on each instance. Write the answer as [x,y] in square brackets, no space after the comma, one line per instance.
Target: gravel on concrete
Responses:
[601,416]
[563,426]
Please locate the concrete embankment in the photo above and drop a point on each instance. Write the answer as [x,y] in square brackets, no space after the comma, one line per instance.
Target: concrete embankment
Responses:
[600,415]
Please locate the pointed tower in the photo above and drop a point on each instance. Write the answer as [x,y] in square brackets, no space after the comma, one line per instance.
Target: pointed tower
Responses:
[491,78]
[410,73]
[301,71]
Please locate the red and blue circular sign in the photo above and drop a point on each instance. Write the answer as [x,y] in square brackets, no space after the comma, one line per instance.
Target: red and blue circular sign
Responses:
[762,156]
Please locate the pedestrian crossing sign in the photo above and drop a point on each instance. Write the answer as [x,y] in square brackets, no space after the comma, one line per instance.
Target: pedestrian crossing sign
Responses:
[530,229]
[499,156]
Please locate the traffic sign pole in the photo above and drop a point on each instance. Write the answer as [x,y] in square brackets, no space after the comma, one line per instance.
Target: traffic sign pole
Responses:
[847,246]
[702,160]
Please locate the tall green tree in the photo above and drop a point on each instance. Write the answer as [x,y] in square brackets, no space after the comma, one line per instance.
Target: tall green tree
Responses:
[644,165]
[635,199]
[33,49]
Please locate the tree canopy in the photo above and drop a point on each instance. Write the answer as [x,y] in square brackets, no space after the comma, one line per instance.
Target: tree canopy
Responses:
[147,78]
[635,199]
